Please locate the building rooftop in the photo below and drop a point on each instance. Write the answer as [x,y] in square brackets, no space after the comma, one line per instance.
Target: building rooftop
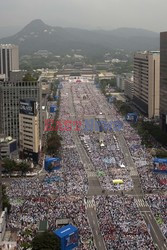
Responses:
[6,139]
[4,46]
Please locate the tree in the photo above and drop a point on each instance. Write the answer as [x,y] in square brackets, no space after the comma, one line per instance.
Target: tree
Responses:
[23,167]
[9,165]
[5,200]
[53,143]
[46,241]
[29,77]
[161,153]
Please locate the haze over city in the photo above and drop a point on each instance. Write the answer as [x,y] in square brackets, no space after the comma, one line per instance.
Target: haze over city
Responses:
[94,14]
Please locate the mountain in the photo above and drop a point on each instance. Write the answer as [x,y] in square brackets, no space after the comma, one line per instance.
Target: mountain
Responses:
[39,36]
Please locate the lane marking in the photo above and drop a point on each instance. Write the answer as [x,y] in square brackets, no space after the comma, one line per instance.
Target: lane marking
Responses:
[153,229]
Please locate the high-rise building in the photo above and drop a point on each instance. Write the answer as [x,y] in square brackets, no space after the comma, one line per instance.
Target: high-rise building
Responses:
[129,87]
[9,59]
[147,82]
[163,81]
[10,95]
[8,147]
[29,129]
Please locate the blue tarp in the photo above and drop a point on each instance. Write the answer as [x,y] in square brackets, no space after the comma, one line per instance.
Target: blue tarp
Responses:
[160,160]
[52,179]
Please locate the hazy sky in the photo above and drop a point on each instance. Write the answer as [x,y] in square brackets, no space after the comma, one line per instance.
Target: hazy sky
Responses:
[89,14]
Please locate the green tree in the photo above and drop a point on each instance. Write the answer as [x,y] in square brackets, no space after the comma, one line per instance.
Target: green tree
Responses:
[24,167]
[9,165]
[29,77]
[45,241]
[53,143]
[161,153]
[5,200]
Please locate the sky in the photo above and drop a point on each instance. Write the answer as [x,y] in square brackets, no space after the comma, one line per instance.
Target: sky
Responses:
[87,14]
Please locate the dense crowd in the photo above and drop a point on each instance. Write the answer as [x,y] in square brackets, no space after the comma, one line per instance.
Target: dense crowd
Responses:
[60,194]
[108,160]
[121,224]
[57,195]
[26,216]
[158,204]
[143,161]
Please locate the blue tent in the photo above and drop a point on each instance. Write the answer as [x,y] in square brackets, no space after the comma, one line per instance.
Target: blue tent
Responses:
[56,97]
[160,165]
[68,236]
[55,162]
[133,117]
[53,108]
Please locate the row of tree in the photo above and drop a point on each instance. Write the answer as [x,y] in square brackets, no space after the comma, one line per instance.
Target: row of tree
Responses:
[123,107]
[53,143]
[46,240]
[42,241]
[148,131]
[107,82]
[9,166]
[5,199]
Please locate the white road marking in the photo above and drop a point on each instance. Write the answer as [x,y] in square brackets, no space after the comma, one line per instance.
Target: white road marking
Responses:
[153,229]
[141,203]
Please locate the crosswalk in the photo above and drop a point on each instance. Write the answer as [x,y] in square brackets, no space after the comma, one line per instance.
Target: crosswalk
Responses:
[141,203]
[91,174]
[133,172]
[90,204]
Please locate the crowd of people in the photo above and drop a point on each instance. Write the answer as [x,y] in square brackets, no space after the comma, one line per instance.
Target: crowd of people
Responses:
[158,204]
[60,194]
[108,160]
[121,224]
[143,161]
[26,216]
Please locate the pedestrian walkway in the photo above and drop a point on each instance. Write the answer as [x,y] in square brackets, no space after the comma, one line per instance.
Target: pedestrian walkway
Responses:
[133,172]
[90,204]
[141,203]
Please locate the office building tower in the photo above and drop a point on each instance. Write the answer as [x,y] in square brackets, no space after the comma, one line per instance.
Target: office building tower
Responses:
[147,82]
[29,129]
[129,87]
[10,95]
[8,147]
[163,81]
[9,59]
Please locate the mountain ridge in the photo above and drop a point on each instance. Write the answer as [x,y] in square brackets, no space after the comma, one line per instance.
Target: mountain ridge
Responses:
[38,35]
